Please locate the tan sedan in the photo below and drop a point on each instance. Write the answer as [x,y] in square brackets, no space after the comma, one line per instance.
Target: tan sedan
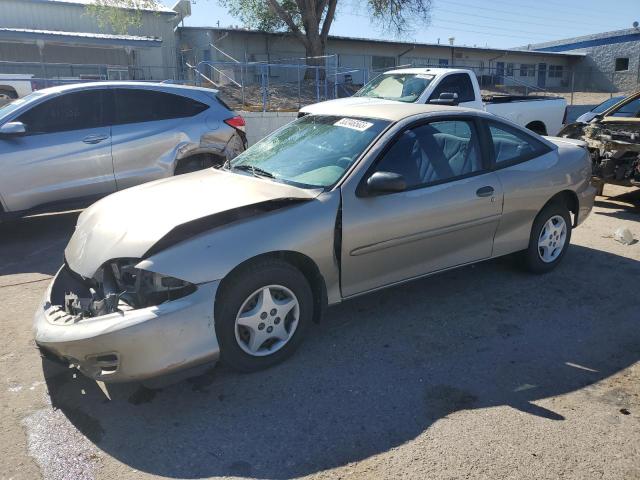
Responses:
[235,262]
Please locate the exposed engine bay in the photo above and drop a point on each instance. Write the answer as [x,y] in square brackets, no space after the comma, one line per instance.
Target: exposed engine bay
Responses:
[117,287]
[614,148]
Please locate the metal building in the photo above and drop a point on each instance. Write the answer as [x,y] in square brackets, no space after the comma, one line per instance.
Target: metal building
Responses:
[57,39]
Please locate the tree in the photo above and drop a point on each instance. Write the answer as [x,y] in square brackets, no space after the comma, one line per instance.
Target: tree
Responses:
[310,20]
[120,15]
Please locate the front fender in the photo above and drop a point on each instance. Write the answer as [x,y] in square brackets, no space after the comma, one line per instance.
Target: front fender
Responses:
[307,228]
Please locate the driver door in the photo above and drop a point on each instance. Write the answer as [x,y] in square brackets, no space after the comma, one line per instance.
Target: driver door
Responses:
[447,215]
[65,154]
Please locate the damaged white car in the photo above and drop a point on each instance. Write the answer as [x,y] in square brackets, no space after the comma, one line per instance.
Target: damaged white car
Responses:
[234,263]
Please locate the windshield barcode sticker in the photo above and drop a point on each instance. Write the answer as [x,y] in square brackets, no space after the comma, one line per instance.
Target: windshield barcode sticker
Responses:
[353,124]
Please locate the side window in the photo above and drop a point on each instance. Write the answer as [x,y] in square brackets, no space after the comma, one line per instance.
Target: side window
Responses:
[137,105]
[434,153]
[512,146]
[629,110]
[459,83]
[67,112]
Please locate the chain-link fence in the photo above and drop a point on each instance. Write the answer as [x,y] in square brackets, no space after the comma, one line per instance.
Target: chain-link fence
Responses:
[288,84]
[280,86]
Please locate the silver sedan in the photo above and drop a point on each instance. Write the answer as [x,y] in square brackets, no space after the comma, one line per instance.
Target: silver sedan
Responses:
[236,262]
[69,145]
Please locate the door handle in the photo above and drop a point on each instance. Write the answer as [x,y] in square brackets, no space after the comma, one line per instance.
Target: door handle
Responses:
[485,191]
[93,139]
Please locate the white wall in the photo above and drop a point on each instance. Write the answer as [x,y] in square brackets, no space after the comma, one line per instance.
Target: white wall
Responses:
[261,124]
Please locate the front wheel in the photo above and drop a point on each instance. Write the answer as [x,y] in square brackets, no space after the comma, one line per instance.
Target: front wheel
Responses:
[262,313]
[550,236]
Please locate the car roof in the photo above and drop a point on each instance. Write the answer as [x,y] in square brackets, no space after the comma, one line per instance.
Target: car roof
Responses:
[386,110]
[129,84]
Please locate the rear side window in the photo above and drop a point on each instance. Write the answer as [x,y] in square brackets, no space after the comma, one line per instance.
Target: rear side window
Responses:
[135,106]
[511,146]
[67,112]
[459,83]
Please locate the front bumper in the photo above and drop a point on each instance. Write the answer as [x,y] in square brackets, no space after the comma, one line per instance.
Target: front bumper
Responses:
[131,345]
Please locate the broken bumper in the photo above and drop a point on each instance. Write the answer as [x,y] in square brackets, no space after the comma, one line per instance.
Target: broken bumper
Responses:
[132,345]
[586,199]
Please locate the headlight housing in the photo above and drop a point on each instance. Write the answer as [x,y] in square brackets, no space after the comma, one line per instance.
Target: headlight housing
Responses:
[141,288]
[118,286]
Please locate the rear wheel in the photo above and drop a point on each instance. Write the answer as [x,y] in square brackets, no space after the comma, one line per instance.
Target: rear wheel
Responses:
[549,240]
[262,314]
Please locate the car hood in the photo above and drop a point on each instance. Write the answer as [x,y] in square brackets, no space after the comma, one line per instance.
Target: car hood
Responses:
[128,224]
[327,108]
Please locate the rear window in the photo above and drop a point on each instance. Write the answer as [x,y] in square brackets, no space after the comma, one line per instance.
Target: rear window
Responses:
[137,105]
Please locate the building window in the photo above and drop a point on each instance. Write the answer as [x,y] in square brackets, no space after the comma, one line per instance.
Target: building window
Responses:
[443,62]
[382,63]
[555,71]
[622,64]
[509,69]
[527,70]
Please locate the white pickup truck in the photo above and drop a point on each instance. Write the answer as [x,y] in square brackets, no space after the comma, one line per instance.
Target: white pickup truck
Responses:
[14,86]
[453,86]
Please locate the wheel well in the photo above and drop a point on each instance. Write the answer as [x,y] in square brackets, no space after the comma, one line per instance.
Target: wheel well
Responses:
[7,88]
[308,268]
[205,159]
[570,200]
[538,127]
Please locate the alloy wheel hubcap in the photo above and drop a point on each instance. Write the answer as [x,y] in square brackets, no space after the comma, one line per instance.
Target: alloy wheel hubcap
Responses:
[267,320]
[552,239]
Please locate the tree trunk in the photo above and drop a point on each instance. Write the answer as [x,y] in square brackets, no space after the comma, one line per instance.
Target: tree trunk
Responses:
[315,50]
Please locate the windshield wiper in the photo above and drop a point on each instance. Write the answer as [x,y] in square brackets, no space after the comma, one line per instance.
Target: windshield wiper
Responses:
[256,171]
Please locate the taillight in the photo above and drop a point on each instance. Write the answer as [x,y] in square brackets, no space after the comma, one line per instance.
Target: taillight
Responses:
[236,122]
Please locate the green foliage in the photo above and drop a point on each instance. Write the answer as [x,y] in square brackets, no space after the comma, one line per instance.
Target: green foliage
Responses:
[259,15]
[120,16]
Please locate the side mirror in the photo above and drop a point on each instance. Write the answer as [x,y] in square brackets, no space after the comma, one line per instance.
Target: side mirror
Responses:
[385,182]
[449,99]
[13,129]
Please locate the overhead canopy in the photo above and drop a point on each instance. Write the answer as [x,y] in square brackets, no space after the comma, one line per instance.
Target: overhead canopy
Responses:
[78,38]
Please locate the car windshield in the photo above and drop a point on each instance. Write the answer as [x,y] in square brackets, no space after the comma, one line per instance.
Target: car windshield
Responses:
[8,108]
[313,151]
[403,87]
[607,104]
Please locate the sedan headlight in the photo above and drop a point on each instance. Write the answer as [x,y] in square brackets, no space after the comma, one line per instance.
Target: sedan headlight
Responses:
[141,288]
[118,285]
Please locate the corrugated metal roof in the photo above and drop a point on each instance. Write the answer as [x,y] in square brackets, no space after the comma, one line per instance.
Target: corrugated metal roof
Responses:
[161,8]
[86,37]
[392,42]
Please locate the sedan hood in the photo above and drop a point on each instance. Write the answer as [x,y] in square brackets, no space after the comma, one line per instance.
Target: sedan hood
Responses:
[129,223]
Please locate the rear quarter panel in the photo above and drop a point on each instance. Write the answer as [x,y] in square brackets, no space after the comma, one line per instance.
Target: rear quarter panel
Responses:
[528,186]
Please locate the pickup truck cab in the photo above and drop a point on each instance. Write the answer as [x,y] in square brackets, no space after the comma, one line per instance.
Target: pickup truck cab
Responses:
[454,86]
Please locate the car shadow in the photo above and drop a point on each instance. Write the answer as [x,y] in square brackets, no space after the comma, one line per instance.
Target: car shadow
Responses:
[378,372]
[35,244]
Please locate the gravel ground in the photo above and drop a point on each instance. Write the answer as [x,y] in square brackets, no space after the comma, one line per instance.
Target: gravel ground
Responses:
[484,372]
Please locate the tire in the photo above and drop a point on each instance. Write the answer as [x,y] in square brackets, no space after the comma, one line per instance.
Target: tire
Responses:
[537,258]
[8,94]
[239,291]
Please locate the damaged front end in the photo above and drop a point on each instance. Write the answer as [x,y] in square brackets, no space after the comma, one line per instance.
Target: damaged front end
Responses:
[126,323]
[614,146]
[120,286]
